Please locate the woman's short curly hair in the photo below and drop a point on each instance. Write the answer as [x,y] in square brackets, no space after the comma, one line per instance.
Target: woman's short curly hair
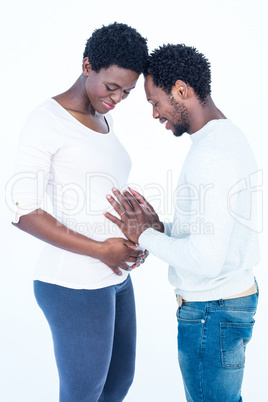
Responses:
[117,44]
[170,63]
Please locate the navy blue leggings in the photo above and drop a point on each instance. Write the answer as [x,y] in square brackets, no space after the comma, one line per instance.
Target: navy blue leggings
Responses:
[94,335]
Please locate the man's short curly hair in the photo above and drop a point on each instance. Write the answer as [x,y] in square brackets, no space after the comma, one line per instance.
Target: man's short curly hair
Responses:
[170,63]
[117,44]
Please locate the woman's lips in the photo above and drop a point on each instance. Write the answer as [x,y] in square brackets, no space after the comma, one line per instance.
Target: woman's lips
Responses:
[108,105]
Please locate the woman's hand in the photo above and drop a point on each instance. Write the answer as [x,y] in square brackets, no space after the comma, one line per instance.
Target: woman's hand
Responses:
[116,252]
[140,261]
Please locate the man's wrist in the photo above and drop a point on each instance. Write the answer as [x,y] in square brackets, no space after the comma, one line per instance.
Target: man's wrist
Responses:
[144,234]
[161,227]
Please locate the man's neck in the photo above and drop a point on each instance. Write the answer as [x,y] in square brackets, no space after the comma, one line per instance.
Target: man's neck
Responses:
[201,114]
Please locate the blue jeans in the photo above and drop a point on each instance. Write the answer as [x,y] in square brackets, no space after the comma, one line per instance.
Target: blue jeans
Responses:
[94,335]
[212,338]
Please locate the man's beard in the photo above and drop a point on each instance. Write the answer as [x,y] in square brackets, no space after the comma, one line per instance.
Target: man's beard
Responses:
[180,118]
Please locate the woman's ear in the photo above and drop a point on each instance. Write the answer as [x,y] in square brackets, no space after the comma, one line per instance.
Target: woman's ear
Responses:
[86,67]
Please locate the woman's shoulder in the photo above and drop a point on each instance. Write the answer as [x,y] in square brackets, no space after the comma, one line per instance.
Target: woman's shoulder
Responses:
[43,113]
[41,124]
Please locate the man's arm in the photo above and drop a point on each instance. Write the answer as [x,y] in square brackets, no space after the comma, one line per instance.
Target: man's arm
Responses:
[202,252]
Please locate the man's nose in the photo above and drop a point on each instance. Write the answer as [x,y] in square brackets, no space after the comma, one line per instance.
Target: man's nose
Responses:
[155,113]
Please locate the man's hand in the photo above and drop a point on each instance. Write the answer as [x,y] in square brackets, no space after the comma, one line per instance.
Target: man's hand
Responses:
[136,213]
[157,224]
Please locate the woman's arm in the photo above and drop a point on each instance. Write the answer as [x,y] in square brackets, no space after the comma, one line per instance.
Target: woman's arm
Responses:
[114,252]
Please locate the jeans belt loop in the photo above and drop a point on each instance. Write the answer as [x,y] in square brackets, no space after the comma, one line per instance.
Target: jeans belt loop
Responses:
[221,302]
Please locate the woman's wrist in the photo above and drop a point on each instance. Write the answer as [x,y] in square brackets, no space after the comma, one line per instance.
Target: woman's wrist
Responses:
[96,249]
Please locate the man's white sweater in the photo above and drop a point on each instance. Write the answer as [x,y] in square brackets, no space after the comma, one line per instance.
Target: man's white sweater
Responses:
[211,246]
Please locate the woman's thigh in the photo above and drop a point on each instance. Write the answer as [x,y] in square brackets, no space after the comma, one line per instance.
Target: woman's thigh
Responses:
[82,323]
[122,366]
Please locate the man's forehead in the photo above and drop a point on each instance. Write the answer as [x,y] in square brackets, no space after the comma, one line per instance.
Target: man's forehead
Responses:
[149,84]
[150,88]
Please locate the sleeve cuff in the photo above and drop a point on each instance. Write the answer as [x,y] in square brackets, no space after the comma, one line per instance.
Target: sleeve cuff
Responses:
[147,237]
[19,210]
[167,228]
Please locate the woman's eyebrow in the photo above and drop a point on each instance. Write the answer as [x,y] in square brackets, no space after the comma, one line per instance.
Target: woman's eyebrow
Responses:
[118,86]
[113,83]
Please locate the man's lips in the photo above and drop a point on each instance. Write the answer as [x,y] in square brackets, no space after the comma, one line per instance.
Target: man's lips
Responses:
[168,126]
[108,105]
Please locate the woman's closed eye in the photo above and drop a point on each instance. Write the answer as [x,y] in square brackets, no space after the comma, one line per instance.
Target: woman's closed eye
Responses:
[115,89]
[111,89]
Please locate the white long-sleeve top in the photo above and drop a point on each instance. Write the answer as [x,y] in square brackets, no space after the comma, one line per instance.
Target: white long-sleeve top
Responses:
[61,160]
[211,246]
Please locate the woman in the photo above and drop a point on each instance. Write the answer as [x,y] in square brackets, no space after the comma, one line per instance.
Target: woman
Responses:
[68,150]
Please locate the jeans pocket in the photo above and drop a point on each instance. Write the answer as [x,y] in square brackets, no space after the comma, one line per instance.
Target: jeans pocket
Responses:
[234,338]
[191,315]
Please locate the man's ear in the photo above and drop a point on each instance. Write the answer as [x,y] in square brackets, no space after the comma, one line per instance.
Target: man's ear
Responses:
[181,89]
[86,67]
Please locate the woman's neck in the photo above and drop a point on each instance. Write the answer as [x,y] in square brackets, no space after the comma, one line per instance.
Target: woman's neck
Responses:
[76,99]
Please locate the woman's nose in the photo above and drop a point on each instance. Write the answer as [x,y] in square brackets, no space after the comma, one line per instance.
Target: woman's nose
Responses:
[117,97]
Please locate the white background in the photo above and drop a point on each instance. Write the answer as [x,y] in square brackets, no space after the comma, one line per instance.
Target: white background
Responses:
[41,51]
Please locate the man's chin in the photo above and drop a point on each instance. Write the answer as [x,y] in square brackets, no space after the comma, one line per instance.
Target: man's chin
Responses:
[178,133]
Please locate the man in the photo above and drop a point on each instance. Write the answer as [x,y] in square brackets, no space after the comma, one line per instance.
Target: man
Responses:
[211,246]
